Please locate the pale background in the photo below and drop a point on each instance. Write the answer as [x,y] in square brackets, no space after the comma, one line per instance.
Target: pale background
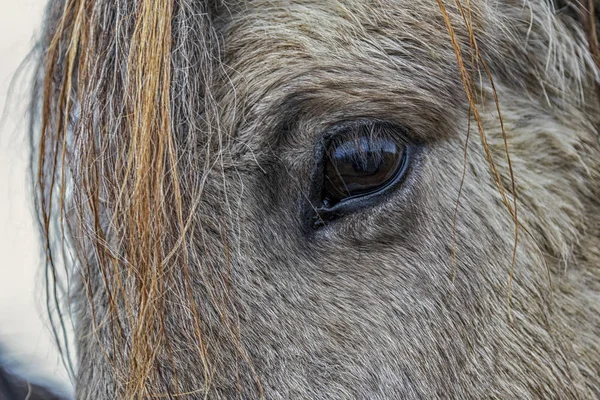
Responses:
[25,338]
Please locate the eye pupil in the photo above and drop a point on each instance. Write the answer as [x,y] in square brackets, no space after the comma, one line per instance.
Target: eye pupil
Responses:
[360,166]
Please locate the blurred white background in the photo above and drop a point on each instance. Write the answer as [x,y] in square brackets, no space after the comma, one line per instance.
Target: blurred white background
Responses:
[24,332]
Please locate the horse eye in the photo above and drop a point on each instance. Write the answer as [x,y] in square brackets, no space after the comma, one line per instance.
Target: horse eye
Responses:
[360,166]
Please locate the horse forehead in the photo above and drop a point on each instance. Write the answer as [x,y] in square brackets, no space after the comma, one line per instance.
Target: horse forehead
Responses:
[329,59]
[331,30]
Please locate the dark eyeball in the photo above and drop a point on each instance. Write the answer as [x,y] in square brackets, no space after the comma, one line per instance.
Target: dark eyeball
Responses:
[357,166]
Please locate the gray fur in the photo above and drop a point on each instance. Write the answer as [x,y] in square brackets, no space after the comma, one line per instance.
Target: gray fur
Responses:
[367,307]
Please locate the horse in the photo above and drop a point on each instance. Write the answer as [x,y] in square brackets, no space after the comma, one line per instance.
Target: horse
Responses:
[322,199]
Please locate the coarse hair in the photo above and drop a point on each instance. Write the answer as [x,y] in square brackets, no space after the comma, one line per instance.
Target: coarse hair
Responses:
[128,126]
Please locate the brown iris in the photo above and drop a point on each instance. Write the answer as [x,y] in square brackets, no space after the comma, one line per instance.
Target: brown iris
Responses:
[359,166]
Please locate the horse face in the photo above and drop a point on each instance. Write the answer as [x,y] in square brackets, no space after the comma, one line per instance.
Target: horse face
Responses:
[351,225]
